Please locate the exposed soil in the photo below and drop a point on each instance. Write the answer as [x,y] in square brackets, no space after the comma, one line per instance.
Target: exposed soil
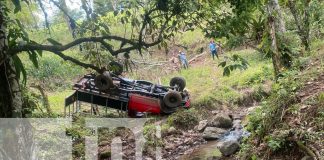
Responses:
[312,88]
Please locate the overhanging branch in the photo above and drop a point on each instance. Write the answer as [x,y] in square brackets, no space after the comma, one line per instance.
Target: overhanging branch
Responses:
[60,48]
[103,40]
[77,62]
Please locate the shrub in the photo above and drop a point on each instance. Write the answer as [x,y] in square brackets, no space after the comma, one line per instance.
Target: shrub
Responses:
[184,119]
[53,72]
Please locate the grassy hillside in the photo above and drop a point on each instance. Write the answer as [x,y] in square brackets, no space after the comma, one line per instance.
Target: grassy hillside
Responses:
[289,124]
[208,86]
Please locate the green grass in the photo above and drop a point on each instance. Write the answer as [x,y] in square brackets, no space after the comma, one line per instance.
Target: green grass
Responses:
[53,73]
[199,79]
[259,70]
[191,37]
[56,100]
[207,85]
[205,82]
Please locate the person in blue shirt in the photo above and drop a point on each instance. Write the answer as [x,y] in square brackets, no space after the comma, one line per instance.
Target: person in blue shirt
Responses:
[183,59]
[213,49]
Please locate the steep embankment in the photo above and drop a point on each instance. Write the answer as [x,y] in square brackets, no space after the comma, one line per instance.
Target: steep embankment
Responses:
[287,124]
[290,123]
[211,94]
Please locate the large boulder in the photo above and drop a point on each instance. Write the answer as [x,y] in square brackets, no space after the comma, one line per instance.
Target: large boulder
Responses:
[202,125]
[213,133]
[228,147]
[221,120]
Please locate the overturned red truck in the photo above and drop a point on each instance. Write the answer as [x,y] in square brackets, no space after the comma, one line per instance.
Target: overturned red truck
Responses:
[133,96]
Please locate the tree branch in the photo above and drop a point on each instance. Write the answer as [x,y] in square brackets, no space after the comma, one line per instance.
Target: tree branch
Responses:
[52,48]
[77,62]
[130,44]
[58,49]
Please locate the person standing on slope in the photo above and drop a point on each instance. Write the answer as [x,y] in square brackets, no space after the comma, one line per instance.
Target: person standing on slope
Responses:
[213,49]
[183,59]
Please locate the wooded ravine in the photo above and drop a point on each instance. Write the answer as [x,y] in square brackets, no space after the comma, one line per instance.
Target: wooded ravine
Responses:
[213,79]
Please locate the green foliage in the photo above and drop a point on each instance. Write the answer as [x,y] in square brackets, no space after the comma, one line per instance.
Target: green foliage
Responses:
[20,69]
[271,123]
[190,38]
[56,99]
[149,132]
[183,119]
[288,47]
[78,130]
[235,41]
[215,97]
[209,89]
[321,99]
[260,76]
[275,144]
[258,27]
[31,101]
[53,72]
[235,20]
[233,63]
[78,150]
[17,5]
[320,111]
[283,95]
[44,115]
[17,36]
[317,19]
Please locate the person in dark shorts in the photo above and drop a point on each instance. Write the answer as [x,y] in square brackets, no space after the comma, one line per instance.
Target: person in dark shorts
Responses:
[213,49]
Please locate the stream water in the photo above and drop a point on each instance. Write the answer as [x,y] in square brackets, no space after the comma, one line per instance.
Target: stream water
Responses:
[211,148]
[203,152]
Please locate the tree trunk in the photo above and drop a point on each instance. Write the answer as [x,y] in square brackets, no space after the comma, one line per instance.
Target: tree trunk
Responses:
[279,21]
[306,27]
[45,98]
[303,24]
[275,52]
[10,93]
[275,23]
[69,22]
[16,135]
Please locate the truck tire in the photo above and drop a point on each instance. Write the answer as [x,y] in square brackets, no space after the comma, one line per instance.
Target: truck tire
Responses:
[178,81]
[172,99]
[103,81]
[166,110]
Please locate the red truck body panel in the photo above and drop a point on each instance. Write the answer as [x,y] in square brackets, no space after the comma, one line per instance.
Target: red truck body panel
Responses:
[139,103]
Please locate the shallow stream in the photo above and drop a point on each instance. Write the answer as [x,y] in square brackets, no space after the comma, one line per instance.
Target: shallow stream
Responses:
[211,148]
[203,152]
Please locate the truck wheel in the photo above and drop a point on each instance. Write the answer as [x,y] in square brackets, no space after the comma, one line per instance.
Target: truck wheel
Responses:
[116,68]
[178,81]
[166,110]
[103,81]
[172,99]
